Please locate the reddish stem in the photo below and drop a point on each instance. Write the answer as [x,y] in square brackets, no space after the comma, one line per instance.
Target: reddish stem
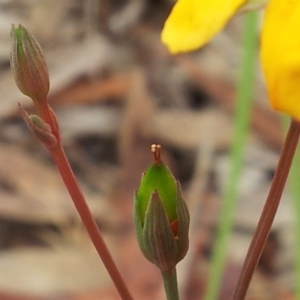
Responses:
[88,220]
[267,216]
[45,112]
[79,201]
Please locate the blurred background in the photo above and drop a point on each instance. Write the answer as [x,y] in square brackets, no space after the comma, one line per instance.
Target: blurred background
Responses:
[116,90]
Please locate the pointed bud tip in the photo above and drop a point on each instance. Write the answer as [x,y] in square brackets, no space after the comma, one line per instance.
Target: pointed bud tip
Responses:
[16,31]
[155,149]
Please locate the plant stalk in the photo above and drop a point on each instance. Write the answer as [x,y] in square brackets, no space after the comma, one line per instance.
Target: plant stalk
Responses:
[270,208]
[170,284]
[241,125]
[294,188]
[79,201]
[295,191]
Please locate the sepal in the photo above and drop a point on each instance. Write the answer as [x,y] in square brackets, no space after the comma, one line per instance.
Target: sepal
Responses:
[39,128]
[162,242]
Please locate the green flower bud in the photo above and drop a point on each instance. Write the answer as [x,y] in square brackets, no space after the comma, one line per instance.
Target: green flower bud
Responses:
[161,216]
[28,65]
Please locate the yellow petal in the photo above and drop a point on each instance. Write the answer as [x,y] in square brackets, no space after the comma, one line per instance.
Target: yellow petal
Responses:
[192,23]
[280,55]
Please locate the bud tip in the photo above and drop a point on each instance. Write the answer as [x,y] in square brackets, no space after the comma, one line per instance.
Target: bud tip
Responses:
[155,149]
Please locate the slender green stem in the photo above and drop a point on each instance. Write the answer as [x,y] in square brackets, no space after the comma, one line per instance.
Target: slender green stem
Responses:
[88,220]
[241,124]
[270,208]
[295,192]
[170,284]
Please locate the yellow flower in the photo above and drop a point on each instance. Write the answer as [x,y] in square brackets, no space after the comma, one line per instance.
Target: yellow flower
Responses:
[192,23]
[280,55]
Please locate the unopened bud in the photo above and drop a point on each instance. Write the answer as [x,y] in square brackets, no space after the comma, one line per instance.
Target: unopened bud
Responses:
[161,216]
[28,65]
